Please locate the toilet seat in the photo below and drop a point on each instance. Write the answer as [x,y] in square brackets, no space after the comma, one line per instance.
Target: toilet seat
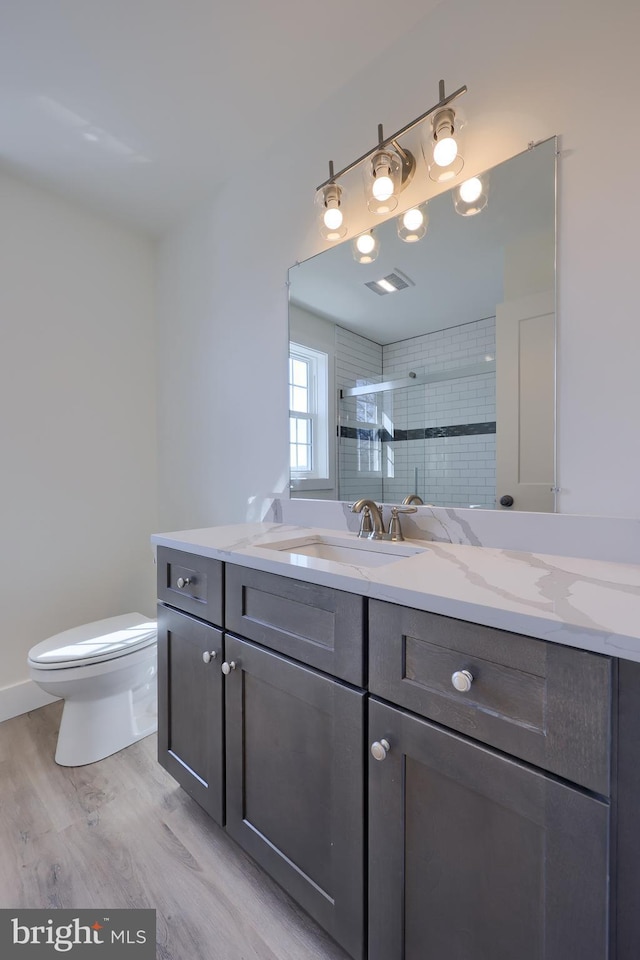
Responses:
[94,642]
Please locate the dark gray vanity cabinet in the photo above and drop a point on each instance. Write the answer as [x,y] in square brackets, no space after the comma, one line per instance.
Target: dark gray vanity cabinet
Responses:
[479,789]
[295,783]
[190,687]
[473,853]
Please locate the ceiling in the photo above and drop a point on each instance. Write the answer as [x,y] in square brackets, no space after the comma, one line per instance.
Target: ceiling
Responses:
[130,106]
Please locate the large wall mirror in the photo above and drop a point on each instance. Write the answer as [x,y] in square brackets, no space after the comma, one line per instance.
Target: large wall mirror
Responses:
[444,385]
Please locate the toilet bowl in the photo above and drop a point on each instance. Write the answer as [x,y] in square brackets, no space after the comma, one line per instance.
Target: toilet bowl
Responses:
[106,674]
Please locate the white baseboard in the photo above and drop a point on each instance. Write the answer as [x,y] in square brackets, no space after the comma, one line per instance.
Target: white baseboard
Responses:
[22,697]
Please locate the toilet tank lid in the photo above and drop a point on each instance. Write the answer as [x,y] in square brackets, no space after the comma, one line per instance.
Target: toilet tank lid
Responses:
[100,640]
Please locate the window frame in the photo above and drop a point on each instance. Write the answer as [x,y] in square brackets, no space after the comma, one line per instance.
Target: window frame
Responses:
[318,476]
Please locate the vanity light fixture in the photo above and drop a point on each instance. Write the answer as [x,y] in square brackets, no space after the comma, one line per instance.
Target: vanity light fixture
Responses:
[412,224]
[471,196]
[329,200]
[365,248]
[389,167]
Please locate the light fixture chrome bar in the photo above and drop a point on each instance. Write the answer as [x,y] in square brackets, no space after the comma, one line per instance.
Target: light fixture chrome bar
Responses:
[472,370]
[394,136]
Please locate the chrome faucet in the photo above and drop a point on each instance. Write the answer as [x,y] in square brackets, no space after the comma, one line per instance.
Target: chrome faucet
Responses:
[370,511]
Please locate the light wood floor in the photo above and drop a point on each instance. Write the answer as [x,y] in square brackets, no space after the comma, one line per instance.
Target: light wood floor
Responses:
[121,833]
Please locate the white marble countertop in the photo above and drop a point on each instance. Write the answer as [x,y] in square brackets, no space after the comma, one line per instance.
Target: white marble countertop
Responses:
[590,604]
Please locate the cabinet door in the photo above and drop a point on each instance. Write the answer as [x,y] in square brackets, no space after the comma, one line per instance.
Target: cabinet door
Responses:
[476,857]
[190,707]
[295,783]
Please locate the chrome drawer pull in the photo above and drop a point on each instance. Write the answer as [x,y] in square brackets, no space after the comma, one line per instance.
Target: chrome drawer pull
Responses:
[183,582]
[228,667]
[380,749]
[462,680]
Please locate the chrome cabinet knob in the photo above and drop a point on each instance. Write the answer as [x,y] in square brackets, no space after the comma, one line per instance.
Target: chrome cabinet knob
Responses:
[183,582]
[228,667]
[209,656]
[462,680]
[380,749]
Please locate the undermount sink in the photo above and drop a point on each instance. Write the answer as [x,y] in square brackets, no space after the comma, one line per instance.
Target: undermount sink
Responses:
[359,553]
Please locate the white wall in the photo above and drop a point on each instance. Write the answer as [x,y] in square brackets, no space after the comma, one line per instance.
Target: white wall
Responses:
[77,395]
[533,70]
[222,350]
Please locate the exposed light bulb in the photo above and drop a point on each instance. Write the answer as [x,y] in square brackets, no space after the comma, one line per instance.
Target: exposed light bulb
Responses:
[471,189]
[382,187]
[365,242]
[445,151]
[365,247]
[471,197]
[330,210]
[412,219]
[333,217]
[412,224]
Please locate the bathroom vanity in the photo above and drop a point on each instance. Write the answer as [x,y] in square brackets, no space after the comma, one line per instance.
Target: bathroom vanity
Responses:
[412,759]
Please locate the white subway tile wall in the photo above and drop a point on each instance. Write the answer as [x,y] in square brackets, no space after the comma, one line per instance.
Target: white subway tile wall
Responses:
[451,471]
[444,470]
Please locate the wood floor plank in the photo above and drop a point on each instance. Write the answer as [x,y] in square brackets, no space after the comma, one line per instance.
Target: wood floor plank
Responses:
[121,833]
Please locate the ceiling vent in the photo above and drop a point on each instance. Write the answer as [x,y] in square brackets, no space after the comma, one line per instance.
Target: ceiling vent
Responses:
[391,283]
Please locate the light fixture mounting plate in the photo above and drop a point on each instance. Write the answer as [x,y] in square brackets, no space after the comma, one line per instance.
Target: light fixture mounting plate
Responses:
[407,165]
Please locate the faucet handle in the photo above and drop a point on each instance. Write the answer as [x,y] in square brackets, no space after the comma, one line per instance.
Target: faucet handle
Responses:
[395,530]
[366,523]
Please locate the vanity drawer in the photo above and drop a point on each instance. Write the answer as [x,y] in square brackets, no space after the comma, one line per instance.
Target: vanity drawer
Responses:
[315,625]
[547,704]
[191,583]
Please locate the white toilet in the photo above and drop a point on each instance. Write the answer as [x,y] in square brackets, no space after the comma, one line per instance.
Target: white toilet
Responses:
[106,674]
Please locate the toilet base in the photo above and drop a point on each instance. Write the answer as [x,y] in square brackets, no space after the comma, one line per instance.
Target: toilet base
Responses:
[91,730]
[109,690]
